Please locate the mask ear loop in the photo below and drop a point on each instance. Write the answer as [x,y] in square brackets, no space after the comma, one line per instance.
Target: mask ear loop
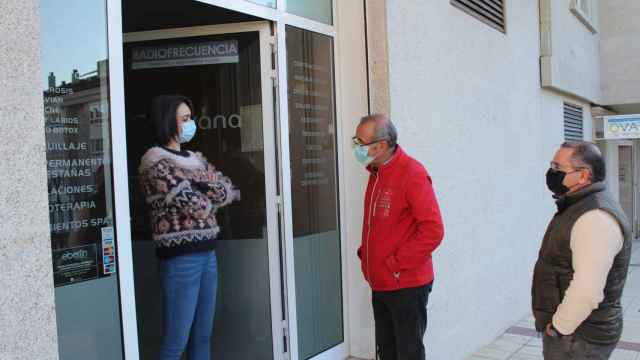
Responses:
[588,170]
[577,170]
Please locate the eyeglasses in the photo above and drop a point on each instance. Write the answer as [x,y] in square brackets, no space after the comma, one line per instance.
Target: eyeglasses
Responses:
[555,166]
[358,142]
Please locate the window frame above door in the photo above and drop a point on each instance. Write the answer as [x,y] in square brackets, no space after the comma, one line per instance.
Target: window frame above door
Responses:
[278,15]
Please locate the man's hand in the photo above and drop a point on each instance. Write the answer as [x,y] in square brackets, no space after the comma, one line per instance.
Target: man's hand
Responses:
[553,332]
[548,330]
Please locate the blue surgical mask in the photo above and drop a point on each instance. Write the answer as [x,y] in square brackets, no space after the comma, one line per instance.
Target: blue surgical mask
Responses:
[362,155]
[188,131]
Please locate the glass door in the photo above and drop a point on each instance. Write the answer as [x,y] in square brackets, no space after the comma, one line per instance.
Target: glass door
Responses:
[269,286]
[315,222]
[226,71]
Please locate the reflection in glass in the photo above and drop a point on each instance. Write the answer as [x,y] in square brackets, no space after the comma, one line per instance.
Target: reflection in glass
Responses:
[318,10]
[228,112]
[314,191]
[77,133]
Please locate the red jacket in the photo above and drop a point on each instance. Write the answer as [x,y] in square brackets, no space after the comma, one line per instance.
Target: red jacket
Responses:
[402,225]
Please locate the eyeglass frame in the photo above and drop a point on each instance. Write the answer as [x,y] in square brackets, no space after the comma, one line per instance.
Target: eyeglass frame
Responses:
[356,141]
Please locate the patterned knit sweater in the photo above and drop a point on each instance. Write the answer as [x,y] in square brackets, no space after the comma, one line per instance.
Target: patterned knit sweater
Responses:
[183,192]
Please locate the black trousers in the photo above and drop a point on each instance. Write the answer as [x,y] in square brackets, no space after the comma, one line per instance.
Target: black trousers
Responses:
[573,347]
[401,322]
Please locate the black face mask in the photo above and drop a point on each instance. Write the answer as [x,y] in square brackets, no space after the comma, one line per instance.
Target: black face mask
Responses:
[554,182]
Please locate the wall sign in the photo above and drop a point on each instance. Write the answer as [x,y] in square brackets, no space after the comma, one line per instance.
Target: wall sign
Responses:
[622,127]
[190,54]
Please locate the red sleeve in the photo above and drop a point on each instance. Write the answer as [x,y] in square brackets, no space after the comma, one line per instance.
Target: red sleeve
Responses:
[430,229]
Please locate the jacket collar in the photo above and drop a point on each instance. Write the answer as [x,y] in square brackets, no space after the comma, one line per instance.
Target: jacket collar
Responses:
[568,200]
[397,156]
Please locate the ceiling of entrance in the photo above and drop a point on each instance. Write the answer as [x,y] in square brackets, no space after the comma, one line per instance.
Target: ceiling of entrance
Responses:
[626,109]
[141,15]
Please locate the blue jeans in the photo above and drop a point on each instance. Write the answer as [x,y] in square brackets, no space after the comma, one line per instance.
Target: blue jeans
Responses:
[189,284]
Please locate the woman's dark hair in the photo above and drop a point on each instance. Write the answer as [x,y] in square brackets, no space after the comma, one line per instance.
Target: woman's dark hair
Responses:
[162,115]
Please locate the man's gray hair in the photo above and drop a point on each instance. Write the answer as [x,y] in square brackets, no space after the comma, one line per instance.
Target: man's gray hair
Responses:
[385,130]
[587,155]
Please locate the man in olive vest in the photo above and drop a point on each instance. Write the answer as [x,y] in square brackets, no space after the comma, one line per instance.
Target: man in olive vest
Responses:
[583,261]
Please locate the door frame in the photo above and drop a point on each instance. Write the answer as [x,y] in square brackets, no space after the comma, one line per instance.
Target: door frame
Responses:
[341,350]
[636,195]
[127,289]
[121,181]
[280,20]
[634,213]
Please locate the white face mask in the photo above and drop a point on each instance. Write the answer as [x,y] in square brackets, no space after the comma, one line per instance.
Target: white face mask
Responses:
[188,131]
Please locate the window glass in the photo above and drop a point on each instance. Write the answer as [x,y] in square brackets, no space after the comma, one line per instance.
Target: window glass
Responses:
[318,10]
[314,191]
[78,147]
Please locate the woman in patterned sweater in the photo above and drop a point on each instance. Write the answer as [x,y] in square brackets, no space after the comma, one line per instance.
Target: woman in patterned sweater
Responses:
[183,192]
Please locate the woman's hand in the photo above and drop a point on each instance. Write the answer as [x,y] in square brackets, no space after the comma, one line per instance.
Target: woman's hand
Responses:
[212,176]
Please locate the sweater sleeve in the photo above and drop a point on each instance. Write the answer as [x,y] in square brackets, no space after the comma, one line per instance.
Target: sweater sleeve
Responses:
[163,182]
[218,188]
[429,230]
[596,239]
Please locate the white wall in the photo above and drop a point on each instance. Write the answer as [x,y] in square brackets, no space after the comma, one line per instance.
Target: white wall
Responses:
[468,104]
[27,306]
[570,51]
[620,51]
[351,68]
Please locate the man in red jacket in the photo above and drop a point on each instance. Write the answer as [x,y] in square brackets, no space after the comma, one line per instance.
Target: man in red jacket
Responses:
[402,227]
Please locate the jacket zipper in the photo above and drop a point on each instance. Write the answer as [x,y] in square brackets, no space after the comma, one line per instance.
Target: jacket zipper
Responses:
[371,207]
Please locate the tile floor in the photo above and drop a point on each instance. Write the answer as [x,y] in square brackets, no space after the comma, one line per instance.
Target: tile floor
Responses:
[521,342]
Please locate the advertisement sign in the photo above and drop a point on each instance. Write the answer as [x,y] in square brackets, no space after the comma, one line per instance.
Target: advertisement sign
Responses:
[108,251]
[622,127]
[189,54]
[75,264]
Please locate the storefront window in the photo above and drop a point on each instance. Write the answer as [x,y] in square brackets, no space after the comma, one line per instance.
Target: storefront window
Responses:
[314,189]
[318,10]
[77,131]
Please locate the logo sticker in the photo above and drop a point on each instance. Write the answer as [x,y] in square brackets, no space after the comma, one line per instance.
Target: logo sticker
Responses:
[108,251]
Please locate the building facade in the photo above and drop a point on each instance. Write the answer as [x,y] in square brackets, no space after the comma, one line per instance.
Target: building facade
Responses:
[481,95]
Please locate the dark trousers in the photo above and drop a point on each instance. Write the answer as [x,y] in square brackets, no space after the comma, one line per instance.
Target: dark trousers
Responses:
[574,348]
[401,322]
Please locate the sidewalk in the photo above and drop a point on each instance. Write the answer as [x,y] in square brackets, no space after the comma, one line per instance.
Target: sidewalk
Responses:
[521,342]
